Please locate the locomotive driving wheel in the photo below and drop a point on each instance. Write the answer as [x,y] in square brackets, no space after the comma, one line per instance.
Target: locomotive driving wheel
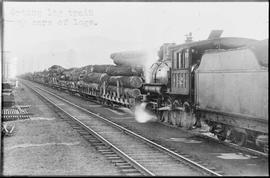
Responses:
[188,118]
[174,117]
[222,132]
[239,137]
[222,136]
[265,148]
[165,116]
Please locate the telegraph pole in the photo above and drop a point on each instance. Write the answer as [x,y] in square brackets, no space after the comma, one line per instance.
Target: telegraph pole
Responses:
[5,68]
[2,57]
[188,37]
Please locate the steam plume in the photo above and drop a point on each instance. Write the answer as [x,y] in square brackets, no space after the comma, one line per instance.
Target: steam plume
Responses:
[142,115]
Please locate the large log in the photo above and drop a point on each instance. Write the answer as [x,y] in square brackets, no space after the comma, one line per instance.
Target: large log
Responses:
[126,81]
[56,69]
[96,78]
[129,58]
[80,73]
[100,68]
[124,71]
[87,69]
[69,73]
[131,92]
[90,85]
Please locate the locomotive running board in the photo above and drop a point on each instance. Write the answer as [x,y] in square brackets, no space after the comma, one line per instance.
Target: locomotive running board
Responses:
[168,108]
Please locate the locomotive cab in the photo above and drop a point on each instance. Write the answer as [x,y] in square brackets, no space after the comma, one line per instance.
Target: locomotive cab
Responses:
[180,73]
[184,63]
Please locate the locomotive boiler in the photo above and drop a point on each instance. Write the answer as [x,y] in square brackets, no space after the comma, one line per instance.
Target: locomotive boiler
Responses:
[220,82]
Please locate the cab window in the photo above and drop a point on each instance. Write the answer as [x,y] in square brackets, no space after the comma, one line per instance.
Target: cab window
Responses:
[181,60]
[186,59]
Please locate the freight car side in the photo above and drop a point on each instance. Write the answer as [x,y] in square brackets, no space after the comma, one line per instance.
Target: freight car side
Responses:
[232,92]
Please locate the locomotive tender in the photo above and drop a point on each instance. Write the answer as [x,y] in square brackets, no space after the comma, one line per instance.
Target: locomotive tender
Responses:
[218,82]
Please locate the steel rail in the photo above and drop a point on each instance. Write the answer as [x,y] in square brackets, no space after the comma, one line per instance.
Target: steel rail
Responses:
[134,163]
[232,145]
[170,152]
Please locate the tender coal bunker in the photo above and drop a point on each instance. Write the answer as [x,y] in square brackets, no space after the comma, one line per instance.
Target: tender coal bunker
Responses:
[261,51]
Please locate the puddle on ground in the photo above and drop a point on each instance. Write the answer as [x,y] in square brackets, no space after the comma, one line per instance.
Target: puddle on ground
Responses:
[235,156]
[42,118]
[26,145]
[184,140]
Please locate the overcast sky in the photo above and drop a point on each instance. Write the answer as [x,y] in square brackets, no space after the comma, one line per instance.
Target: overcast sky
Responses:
[40,34]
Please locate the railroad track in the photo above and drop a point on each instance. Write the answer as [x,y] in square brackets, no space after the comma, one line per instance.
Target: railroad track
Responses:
[250,150]
[133,154]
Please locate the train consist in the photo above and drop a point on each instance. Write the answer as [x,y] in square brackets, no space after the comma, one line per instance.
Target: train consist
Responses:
[220,82]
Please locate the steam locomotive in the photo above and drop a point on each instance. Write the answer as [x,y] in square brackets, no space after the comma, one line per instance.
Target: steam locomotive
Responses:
[222,83]
[219,82]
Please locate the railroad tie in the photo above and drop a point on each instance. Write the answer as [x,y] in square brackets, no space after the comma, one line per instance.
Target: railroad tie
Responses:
[113,157]
[129,170]
[125,166]
[134,174]
[123,163]
[83,132]
[117,160]
[106,152]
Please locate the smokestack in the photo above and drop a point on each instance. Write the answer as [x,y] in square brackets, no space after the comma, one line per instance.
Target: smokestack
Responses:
[188,37]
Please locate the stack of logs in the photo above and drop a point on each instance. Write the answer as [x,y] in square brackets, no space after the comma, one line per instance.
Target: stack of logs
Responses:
[123,80]
[94,76]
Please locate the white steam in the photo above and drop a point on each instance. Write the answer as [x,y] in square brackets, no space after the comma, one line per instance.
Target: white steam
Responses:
[142,115]
[147,73]
[151,59]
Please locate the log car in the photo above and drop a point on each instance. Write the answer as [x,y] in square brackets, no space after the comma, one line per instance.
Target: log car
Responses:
[118,95]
